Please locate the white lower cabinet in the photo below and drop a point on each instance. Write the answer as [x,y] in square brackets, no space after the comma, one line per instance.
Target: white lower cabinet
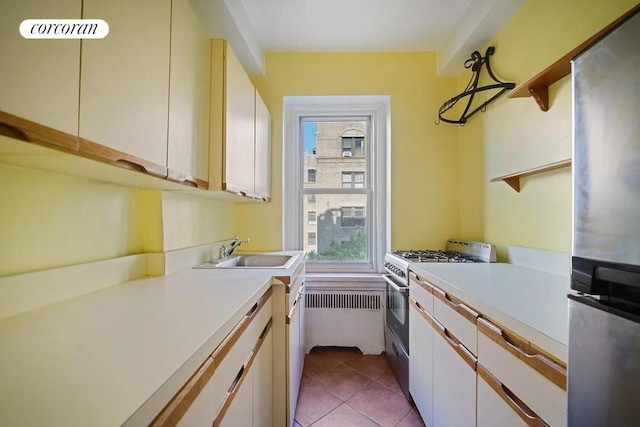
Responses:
[262,384]
[233,386]
[421,362]
[454,382]
[239,412]
[295,344]
[466,371]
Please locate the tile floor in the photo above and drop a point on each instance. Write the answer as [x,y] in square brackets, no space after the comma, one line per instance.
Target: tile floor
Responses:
[343,388]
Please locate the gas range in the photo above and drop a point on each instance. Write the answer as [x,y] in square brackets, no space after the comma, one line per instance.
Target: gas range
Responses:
[460,251]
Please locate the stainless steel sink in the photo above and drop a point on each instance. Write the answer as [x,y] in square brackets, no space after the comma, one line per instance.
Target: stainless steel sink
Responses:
[253,261]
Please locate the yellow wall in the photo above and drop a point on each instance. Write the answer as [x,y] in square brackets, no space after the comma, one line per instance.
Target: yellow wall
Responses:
[516,135]
[49,220]
[190,221]
[424,164]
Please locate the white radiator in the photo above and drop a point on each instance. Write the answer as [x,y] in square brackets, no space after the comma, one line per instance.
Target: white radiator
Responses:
[345,318]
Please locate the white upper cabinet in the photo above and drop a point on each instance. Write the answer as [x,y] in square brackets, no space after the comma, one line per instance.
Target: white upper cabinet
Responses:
[263,150]
[239,129]
[124,85]
[189,92]
[40,79]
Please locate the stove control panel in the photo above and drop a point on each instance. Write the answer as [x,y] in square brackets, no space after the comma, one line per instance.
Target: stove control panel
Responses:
[394,269]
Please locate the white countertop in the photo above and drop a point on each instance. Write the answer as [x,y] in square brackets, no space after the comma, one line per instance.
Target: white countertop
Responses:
[96,359]
[531,302]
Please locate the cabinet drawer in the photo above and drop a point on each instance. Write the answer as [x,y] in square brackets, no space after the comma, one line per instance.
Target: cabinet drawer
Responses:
[421,291]
[200,399]
[528,372]
[500,407]
[457,317]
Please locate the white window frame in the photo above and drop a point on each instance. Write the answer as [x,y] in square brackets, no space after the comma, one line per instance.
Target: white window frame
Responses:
[377,109]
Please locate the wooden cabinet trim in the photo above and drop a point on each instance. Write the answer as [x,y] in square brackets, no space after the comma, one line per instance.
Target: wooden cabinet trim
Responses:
[459,348]
[519,407]
[457,305]
[101,153]
[25,130]
[538,360]
[287,280]
[421,282]
[178,406]
[294,306]
[183,178]
[240,377]
[223,349]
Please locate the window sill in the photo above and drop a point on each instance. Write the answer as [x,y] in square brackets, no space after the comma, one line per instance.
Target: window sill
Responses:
[355,281]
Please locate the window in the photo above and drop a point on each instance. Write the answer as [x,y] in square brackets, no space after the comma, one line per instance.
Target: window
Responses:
[311,175]
[352,216]
[346,229]
[352,179]
[352,146]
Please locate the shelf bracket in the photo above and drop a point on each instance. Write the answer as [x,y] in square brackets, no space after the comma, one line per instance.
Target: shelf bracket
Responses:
[514,182]
[541,96]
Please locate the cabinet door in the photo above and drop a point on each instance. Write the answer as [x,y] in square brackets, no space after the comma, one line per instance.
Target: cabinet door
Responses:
[296,359]
[303,328]
[262,371]
[499,407]
[421,362]
[124,89]
[454,382]
[240,412]
[239,128]
[189,91]
[263,150]
[40,79]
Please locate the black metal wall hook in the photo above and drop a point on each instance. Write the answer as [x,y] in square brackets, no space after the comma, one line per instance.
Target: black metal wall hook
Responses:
[475,63]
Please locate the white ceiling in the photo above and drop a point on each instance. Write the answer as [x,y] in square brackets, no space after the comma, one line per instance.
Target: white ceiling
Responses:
[453,28]
[353,25]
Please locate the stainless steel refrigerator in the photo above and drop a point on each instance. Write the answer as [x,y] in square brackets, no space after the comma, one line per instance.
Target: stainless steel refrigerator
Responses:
[604,305]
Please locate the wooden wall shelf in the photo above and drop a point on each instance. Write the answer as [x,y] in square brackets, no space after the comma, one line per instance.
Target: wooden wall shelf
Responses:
[514,179]
[537,87]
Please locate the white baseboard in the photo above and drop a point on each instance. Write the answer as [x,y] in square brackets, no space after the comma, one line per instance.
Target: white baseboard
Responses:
[180,259]
[549,261]
[29,291]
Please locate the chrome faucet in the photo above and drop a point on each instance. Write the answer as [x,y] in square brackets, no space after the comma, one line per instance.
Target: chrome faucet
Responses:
[226,251]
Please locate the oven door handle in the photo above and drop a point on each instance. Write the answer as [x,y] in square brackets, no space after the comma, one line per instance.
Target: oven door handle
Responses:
[394,285]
